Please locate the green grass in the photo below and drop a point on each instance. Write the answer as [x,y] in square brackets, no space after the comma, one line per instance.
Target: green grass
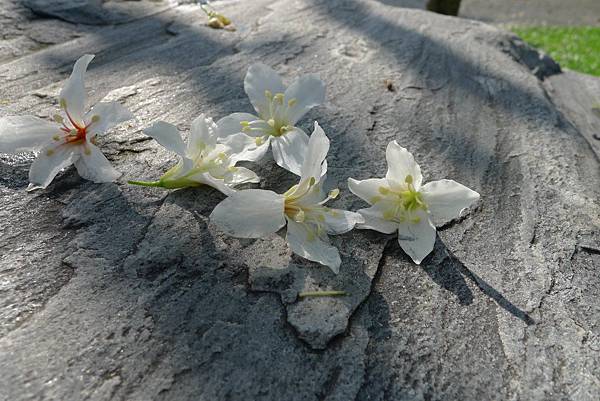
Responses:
[576,48]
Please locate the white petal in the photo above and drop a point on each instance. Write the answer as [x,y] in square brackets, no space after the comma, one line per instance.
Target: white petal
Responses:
[73,93]
[401,164]
[168,136]
[202,133]
[243,148]
[289,150]
[306,243]
[446,199]
[252,213]
[230,125]
[94,166]
[218,184]
[259,79]
[314,164]
[367,190]
[22,133]
[373,220]
[417,239]
[109,115]
[308,91]
[242,175]
[50,161]
[341,221]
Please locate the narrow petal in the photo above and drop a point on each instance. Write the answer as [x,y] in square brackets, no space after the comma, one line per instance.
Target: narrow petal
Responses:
[367,190]
[307,92]
[305,242]
[202,133]
[231,124]
[168,136]
[446,199]
[242,175]
[73,93]
[252,213]
[23,133]
[417,239]
[401,164]
[289,150]
[259,79]
[51,160]
[341,221]
[107,115]
[94,166]
[314,164]
[244,148]
[373,220]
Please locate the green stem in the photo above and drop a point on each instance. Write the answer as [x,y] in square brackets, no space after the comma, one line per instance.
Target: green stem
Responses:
[322,294]
[146,183]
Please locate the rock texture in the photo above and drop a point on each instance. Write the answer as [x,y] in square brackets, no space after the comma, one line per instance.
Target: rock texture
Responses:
[113,292]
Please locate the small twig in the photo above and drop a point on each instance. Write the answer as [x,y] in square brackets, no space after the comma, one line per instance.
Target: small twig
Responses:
[322,294]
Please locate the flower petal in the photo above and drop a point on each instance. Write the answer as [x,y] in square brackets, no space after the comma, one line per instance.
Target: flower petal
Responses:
[373,220]
[109,114]
[341,221]
[218,184]
[367,190]
[23,133]
[252,213]
[94,166]
[49,162]
[242,175]
[230,125]
[203,133]
[401,164]
[289,150]
[259,79]
[73,93]
[417,239]
[168,136]
[314,164]
[307,92]
[304,242]
[243,147]
[446,199]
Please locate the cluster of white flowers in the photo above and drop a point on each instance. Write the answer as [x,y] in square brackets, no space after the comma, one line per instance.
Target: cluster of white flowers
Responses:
[399,202]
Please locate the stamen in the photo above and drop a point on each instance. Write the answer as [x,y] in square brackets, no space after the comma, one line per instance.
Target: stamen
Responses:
[384,190]
[268,95]
[300,216]
[271,122]
[409,179]
[63,103]
[244,123]
[58,118]
[95,118]
[292,103]
[334,193]
[56,137]
[279,98]
[259,141]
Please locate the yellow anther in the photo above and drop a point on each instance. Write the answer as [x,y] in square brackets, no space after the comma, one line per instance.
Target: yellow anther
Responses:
[87,151]
[232,169]
[259,141]
[292,102]
[312,181]
[58,118]
[56,137]
[300,216]
[49,152]
[246,129]
[244,123]
[268,94]
[271,122]
[375,199]
[383,190]
[283,130]
[279,98]
[63,103]
[222,156]
[215,22]
[409,179]
[95,118]
[334,193]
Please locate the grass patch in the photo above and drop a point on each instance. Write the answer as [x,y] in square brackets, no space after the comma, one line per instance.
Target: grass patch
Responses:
[576,48]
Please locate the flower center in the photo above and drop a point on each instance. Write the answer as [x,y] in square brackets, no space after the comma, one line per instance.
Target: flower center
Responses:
[404,203]
[275,118]
[75,133]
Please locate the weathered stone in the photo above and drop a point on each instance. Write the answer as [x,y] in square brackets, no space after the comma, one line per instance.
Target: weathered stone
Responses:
[117,292]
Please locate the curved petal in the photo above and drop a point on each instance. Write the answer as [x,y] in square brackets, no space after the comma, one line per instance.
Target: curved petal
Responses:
[307,92]
[373,220]
[94,166]
[306,243]
[73,94]
[367,190]
[445,199]
[168,136]
[207,179]
[203,133]
[401,164]
[244,148]
[230,125]
[259,79]
[107,115]
[290,149]
[417,238]
[252,213]
[49,162]
[314,165]
[341,221]
[22,133]
[242,175]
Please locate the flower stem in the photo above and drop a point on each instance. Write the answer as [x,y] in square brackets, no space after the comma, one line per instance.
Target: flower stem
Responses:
[322,294]
[146,183]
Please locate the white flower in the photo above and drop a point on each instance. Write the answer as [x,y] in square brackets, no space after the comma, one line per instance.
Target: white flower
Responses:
[256,213]
[401,203]
[279,109]
[203,161]
[70,139]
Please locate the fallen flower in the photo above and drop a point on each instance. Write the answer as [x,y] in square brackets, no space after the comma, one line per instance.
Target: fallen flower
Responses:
[400,203]
[203,160]
[279,109]
[256,213]
[70,138]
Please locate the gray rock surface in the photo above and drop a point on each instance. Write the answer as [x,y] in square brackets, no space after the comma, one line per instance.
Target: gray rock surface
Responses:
[125,293]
